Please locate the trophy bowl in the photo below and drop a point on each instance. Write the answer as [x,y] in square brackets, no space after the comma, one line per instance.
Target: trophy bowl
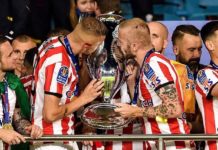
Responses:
[103,116]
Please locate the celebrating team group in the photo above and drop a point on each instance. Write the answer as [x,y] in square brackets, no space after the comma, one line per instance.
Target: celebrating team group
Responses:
[41,88]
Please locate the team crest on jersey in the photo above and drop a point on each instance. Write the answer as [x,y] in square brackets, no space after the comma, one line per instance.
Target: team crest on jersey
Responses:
[183,115]
[150,74]
[202,78]
[62,75]
[146,103]
[190,74]
[69,94]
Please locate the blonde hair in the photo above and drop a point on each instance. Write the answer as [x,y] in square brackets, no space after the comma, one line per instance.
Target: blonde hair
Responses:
[23,38]
[92,26]
[137,31]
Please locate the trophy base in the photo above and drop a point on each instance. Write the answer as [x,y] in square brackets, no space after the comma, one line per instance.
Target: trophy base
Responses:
[103,116]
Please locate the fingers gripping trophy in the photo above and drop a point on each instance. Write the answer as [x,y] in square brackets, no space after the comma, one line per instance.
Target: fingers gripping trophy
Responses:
[104,64]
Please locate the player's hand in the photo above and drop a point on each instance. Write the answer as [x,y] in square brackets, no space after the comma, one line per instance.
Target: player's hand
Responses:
[88,131]
[128,111]
[132,69]
[93,90]
[11,137]
[34,131]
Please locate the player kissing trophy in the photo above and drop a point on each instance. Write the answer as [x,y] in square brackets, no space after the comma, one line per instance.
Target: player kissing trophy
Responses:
[103,64]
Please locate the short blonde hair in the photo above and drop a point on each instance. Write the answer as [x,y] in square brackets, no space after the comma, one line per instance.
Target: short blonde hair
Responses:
[23,38]
[137,31]
[92,26]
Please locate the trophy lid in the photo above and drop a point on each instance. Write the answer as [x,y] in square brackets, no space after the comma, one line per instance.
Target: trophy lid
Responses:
[110,18]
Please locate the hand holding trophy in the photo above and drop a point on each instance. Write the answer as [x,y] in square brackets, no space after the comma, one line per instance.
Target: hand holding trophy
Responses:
[105,65]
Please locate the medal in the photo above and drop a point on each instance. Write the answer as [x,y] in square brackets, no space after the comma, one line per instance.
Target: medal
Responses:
[7,126]
[5,104]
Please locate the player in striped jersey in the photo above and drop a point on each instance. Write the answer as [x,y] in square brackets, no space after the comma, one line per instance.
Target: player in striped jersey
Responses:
[122,96]
[159,39]
[187,46]
[157,86]
[55,80]
[206,87]
[12,92]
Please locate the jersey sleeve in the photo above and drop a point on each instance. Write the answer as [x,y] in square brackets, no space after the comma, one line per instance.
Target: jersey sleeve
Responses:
[158,73]
[56,76]
[206,80]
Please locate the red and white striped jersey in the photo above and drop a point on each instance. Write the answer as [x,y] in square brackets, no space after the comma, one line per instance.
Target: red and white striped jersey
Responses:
[156,73]
[131,128]
[54,74]
[27,83]
[206,79]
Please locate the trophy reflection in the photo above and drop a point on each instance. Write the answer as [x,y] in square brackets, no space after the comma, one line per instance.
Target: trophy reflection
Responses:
[108,76]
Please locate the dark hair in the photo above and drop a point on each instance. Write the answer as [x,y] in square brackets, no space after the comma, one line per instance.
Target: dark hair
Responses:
[74,18]
[180,30]
[29,57]
[208,30]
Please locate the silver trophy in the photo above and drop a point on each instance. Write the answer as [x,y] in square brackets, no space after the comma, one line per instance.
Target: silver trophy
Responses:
[107,64]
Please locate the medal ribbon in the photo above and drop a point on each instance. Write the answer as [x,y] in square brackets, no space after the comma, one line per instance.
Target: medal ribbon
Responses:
[74,60]
[213,65]
[5,105]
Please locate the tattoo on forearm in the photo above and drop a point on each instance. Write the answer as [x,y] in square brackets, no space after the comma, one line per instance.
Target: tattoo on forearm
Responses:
[169,106]
[20,123]
[163,109]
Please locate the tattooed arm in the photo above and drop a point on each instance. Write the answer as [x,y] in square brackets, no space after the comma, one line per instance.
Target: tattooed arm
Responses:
[24,127]
[20,123]
[170,107]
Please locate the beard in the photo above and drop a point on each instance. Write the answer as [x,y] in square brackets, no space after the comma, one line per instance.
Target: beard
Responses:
[192,63]
[130,56]
[128,53]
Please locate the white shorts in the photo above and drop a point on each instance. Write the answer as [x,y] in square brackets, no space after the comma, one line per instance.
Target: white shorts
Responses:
[170,145]
[55,146]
